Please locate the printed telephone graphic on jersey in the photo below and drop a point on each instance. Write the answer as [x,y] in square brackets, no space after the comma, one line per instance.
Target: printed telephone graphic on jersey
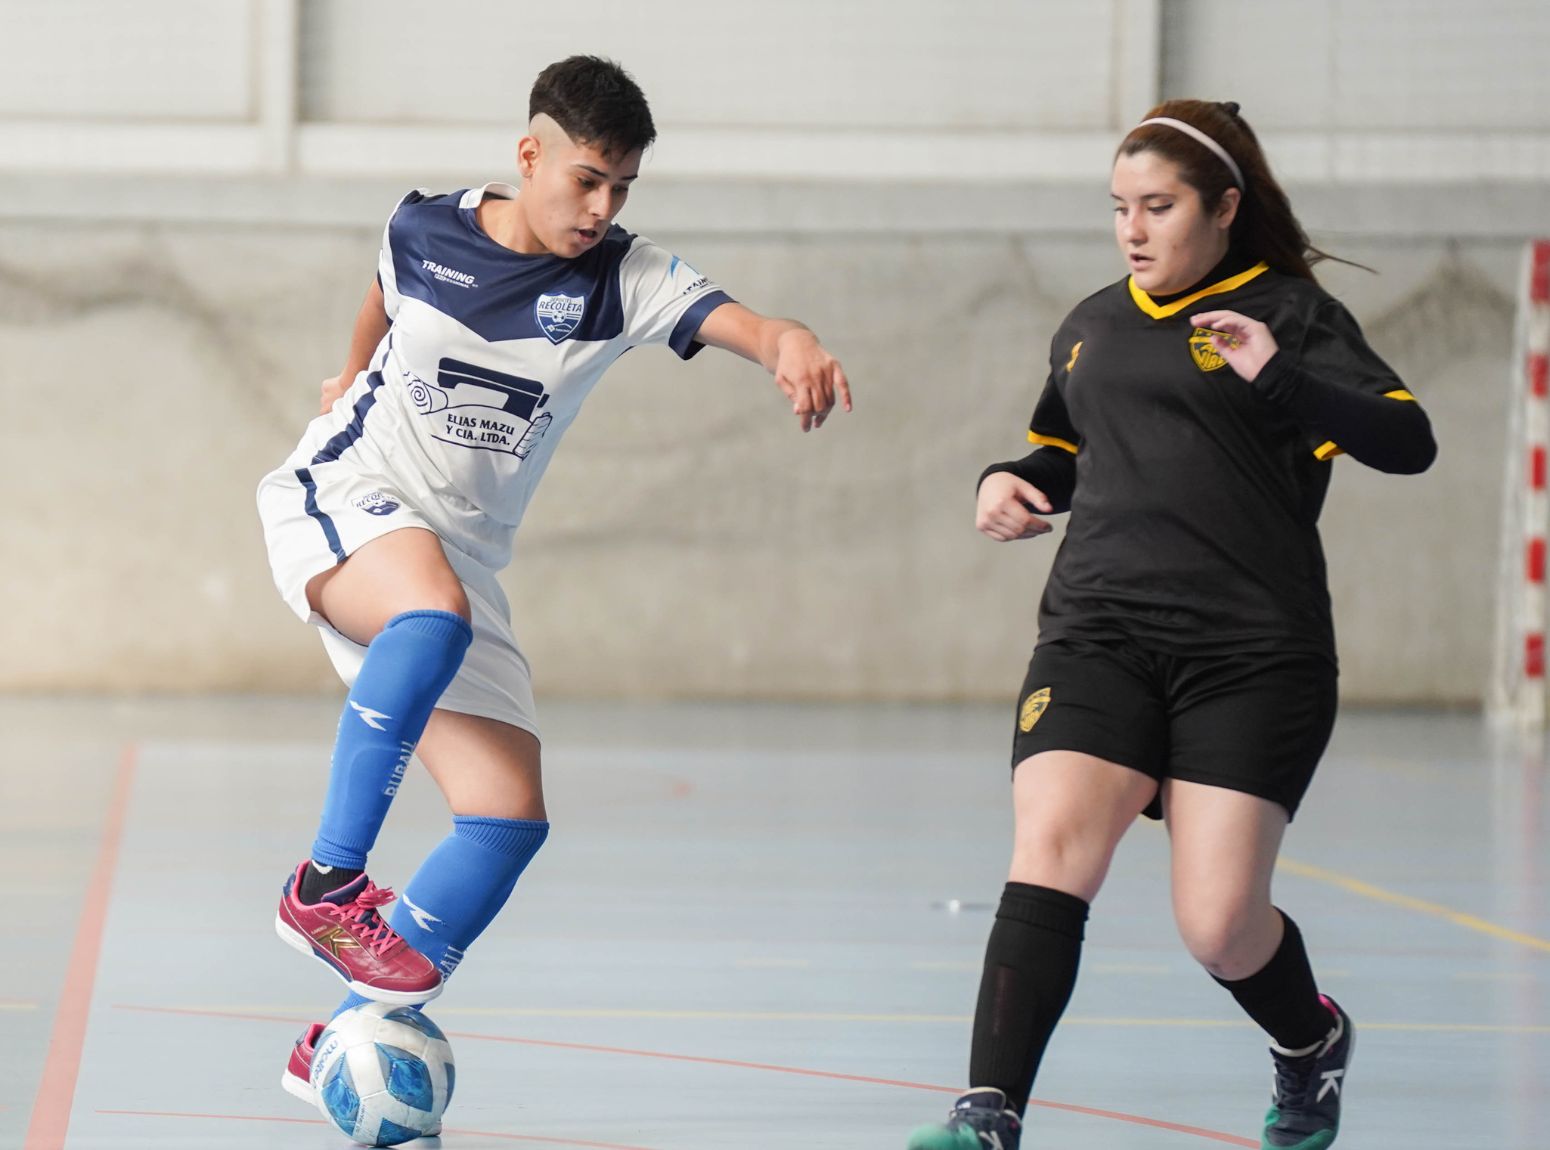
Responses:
[484,409]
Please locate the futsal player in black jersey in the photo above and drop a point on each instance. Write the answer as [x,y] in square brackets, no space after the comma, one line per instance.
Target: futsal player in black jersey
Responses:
[1185,665]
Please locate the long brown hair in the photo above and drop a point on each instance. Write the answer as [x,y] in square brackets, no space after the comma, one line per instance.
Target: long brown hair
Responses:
[1264,227]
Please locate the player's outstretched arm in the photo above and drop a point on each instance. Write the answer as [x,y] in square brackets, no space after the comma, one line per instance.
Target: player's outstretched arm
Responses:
[371,324]
[808,375]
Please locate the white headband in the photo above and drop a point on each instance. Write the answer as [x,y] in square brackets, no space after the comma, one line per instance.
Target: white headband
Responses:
[1196,133]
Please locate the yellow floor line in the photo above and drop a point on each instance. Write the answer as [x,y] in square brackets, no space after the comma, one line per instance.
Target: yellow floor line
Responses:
[1420,906]
[946,965]
[961,1019]
[1133,968]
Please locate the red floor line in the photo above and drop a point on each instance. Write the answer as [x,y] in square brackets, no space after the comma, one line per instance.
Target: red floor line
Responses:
[50,1120]
[540,1139]
[1113,1115]
[1136,1119]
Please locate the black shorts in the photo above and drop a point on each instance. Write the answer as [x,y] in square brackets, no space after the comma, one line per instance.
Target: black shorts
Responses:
[1256,722]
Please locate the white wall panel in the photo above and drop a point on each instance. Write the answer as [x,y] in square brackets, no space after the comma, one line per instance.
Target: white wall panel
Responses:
[1271,57]
[1442,64]
[112,60]
[807,91]
[1365,65]
[928,64]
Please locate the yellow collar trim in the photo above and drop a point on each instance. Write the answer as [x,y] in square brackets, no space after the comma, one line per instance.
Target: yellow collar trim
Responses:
[1163,311]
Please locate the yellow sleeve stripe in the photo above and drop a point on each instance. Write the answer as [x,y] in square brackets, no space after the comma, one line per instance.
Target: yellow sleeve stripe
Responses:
[1051,441]
[1329,449]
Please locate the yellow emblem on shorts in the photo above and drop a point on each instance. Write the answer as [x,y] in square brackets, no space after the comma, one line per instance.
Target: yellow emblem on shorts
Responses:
[1033,707]
[1207,358]
[1076,350]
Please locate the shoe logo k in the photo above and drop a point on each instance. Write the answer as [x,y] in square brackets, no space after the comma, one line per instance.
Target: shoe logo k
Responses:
[422,918]
[335,939]
[1331,1082]
[370,717]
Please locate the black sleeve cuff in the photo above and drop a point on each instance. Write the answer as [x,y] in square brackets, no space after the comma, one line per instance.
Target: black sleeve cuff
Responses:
[1051,469]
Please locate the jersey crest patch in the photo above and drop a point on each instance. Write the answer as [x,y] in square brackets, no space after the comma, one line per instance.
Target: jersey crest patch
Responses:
[559,315]
[1034,707]
[376,503]
[1204,352]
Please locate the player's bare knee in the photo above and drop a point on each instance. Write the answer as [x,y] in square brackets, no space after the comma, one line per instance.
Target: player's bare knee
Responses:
[515,808]
[1063,857]
[450,597]
[1215,936]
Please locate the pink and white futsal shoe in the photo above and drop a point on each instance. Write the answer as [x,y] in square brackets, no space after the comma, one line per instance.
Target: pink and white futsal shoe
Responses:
[343,931]
[297,1079]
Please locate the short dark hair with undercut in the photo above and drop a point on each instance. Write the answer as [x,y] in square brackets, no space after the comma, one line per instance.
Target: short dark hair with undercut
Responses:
[596,102]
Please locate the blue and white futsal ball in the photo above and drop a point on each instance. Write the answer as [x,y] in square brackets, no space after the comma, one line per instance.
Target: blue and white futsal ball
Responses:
[383,1074]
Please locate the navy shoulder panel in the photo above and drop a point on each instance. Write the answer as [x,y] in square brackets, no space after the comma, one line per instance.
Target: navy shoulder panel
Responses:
[443,258]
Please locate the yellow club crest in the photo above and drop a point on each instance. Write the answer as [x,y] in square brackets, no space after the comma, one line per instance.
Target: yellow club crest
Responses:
[1033,707]
[1206,357]
[1076,350]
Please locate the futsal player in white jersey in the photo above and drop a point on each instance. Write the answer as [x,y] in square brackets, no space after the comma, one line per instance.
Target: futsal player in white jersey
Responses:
[493,313]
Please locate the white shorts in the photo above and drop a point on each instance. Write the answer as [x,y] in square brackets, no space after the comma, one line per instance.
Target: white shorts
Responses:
[315,517]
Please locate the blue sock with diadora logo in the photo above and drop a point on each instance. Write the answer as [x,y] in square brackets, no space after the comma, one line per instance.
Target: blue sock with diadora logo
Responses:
[461,887]
[407,667]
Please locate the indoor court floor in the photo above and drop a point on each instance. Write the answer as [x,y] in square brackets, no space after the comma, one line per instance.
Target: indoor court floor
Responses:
[754,926]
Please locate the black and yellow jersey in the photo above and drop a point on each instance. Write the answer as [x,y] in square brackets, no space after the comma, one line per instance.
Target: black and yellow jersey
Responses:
[1195,495]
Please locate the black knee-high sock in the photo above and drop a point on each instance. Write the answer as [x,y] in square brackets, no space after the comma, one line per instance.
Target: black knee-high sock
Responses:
[1030,968]
[1283,997]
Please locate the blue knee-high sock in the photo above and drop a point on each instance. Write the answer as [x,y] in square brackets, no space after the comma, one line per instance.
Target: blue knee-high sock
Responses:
[461,887]
[408,665]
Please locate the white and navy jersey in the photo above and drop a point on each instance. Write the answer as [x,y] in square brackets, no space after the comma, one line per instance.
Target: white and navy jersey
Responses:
[488,358]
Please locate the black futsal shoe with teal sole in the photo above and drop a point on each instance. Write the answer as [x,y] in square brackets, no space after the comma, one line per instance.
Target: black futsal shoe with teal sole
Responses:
[979,1120]
[1305,1110]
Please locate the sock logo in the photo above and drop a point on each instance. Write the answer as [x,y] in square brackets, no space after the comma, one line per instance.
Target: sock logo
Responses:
[449,961]
[405,753]
[422,917]
[370,717]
